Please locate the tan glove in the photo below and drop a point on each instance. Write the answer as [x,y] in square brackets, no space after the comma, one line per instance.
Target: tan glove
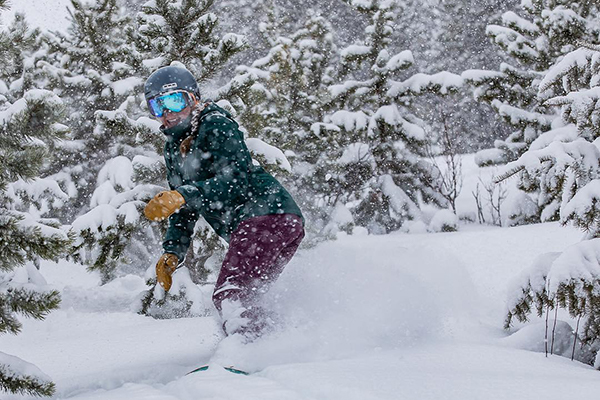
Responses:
[163,205]
[167,264]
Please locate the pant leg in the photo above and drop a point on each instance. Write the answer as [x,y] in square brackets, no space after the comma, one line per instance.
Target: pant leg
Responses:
[259,249]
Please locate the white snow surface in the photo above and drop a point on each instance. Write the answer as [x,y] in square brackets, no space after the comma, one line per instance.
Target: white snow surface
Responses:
[512,19]
[420,82]
[578,58]
[400,316]
[271,154]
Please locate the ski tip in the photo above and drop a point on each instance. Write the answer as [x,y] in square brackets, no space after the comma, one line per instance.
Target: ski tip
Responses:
[236,371]
[202,368]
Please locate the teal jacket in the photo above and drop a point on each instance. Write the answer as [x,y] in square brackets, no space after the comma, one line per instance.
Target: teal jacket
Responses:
[218,180]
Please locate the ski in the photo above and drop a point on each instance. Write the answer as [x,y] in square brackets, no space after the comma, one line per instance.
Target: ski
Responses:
[202,368]
[236,371]
[230,369]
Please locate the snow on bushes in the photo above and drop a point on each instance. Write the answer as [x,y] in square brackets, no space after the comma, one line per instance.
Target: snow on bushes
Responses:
[564,169]
[568,280]
[444,221]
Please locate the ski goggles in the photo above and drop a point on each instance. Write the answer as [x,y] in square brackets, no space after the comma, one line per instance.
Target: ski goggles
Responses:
[172,101]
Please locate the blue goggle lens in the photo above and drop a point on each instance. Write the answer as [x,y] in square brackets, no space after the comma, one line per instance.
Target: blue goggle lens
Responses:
[174,102]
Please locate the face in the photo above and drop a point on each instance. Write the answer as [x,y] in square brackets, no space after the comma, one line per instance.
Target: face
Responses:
[170,119]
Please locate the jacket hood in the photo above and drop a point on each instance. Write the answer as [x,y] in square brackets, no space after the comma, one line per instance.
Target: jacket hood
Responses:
[211,106]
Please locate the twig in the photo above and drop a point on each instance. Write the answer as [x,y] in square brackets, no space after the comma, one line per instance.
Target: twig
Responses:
[554,329]
[477,195]
[575,338]
[546,333]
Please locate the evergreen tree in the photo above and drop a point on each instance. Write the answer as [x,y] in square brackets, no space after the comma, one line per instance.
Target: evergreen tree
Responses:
[290,96]
[25,127]
[92,67]
[452,38]
[185,31]
[100,75]
[28,126]
[19,61]
[378,162]
[532,40]
[341,119]
[114,237]
[567,160]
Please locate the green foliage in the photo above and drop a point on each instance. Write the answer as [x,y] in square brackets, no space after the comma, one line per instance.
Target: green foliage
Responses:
[23,241]
[345,119]
[557,172]
[18,62]
[531,41]
[29,130]
[568,281]
[577,72]
[92,67]
[290,96]
[185,31]
[87,62]
[379,155]
[27,303]
[13,382]
[580,297]
[168,307]
[102,250]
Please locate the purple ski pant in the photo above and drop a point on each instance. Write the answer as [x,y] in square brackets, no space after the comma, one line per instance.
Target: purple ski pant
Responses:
[259,249]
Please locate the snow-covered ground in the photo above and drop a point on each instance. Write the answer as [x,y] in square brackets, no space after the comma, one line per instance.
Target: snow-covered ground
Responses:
[403,316]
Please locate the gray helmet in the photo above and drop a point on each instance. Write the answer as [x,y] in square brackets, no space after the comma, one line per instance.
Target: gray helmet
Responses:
[167,79]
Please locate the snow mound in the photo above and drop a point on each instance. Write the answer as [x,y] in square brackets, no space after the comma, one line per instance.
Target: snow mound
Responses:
[333,306]
[532,338]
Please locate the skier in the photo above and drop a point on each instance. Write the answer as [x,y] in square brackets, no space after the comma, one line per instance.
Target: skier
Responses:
[211,174]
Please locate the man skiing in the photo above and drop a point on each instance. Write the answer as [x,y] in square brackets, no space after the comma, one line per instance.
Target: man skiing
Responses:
[211,174]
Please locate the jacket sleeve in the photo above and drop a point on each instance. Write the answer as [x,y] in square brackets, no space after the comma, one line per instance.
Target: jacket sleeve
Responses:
[170,170]
[181,224]
[179,233]
[230,163]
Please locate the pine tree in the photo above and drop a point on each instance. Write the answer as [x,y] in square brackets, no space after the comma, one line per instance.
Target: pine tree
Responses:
[532,41]
[378,161]
[17,69]
[100,75]
[185,31]
[291,94]
[28,126]
[114,237]
[25,238]
[451,37]
[93,68]
[567,160]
